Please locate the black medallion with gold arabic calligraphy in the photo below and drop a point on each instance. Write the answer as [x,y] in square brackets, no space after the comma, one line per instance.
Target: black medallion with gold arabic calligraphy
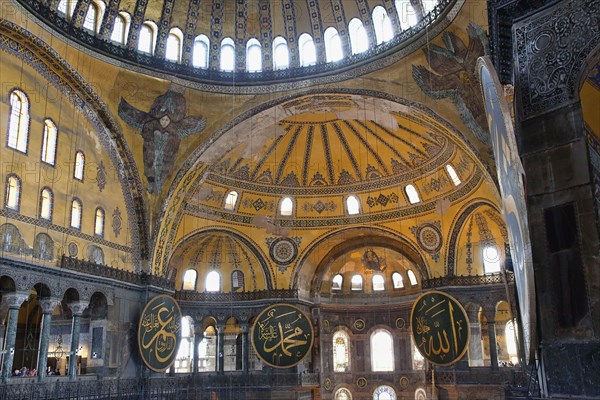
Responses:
[159,332]
[282,335]
[440,327]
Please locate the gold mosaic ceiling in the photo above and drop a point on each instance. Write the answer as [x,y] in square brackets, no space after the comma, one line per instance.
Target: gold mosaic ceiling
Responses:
[324,147]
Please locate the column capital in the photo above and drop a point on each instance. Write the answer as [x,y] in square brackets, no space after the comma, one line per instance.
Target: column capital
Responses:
[48,305]
[245,327]
[77,307]
[14,300]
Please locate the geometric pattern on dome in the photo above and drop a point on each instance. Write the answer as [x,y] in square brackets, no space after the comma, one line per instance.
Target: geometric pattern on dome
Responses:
[320,150]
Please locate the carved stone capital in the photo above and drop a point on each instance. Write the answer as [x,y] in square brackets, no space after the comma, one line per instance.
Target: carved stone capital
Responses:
[48,305]
[77,307]
[14,300]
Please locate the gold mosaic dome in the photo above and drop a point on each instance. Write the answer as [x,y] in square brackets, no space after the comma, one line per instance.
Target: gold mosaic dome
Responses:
[318,150]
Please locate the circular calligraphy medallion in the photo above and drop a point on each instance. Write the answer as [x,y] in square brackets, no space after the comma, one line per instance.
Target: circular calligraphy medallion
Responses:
[159,332]
[361,382]
[440,327]
[359,324]
[282,335]
[283,251]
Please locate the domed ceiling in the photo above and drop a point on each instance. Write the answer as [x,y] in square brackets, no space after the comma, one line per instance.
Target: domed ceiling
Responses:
[222,252]
[319,149]
[263,21]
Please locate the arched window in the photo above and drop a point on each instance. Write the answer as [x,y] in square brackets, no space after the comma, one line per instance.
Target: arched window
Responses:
[49,141]
[341,352]
[352,205]
[79,165]
[333,45]
[46,200]
[453,175]
[358,36]
[382,25]
[237,281]
[253,56]
[200,52]
[336,283]
[397,280]
[76,210]
[120,28]
[286,207]
[230,200]
[12,196]
[146,37]
[281,53]
[66,7]
[227,55]
[185,353]
[378,283]
[406,13]
[429,5]
[413,195]
[511,342]
[412,278]
[356,283]
[189,279]
[384,392]
[342,394]
[18,124]
[491,259]
[213,282]
[173,49]
[99,222]
[93,16]
[308,52]
[382,351]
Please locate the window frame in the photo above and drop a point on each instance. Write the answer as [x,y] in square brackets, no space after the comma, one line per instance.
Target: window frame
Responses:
[7,192]
[373,341]
[251,44]
[126,21]
[303,40]
[382,289]
[352,283]
[184,281]
[286,214]
[151,25]
[358,36]
[219,282]
[201,41]
[330,36]
[412,194]
[21,136]
[80,216]
[226,43]
[178,36]
[341,334]
[280,42]
[386,23]
[402,285]
[333,281]
[45,146]
[76,167]
[349,198]
[103,221]
[50,204]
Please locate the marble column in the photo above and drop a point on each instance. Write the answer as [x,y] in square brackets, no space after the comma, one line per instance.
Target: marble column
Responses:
[198,336]
[220,350]
[77,309]
[493,348]
[47,305]
[245,348]
[13,302]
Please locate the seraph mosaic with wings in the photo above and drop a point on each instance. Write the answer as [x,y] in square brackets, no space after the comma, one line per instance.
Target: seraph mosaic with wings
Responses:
[452,74]
[162,129]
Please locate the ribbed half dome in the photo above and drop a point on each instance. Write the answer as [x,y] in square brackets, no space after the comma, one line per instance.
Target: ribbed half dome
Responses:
[318,149]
